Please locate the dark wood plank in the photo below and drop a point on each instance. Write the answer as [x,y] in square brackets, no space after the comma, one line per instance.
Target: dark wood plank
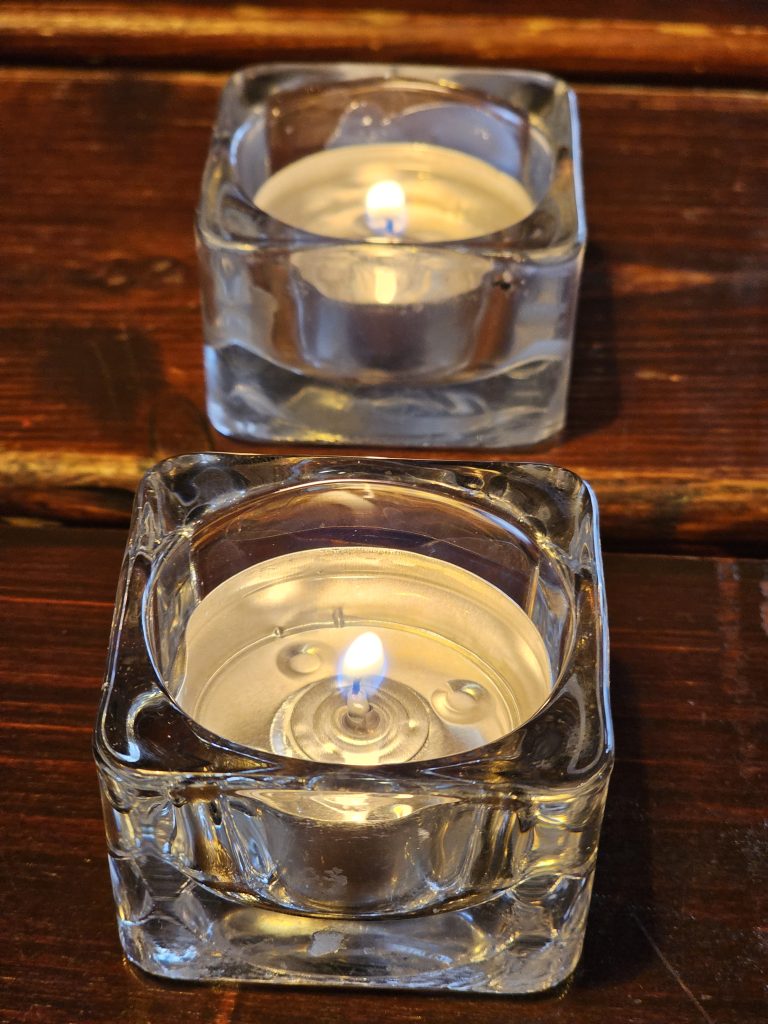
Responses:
[703,12]
[100,337]
[675,927]
[614,43]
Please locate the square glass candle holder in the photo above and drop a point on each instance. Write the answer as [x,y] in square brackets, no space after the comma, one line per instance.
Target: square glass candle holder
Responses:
[391,255]
[355,727]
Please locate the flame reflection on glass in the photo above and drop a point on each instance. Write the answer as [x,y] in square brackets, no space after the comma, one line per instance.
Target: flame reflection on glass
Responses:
[385,282]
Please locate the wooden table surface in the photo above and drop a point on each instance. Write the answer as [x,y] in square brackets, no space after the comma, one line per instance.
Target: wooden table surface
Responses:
[106,110]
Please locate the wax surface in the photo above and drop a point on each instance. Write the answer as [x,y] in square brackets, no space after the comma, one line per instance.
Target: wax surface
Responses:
[449,195]
[462,663]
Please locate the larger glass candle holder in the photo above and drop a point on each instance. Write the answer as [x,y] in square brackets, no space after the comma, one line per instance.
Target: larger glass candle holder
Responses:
[391,255]
[355,726]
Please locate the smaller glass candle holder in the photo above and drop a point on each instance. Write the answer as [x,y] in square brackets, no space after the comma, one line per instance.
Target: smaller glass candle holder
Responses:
[355,727]
[390,255]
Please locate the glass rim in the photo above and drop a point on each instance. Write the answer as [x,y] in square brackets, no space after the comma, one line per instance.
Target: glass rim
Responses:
[539,234]
[491,752]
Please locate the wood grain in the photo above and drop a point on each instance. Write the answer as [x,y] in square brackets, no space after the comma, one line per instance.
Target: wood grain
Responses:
[100,337]
[706,12]
[207,35]
[675,927]
[100,376]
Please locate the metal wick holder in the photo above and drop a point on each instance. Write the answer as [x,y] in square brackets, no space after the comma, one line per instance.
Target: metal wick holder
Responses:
[461,859]
[417,343]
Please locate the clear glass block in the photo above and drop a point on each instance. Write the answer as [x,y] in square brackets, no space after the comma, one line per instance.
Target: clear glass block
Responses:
[461,855]
[460,342]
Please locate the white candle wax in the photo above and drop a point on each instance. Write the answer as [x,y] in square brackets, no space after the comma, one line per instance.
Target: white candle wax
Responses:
[276,659]
[447,195]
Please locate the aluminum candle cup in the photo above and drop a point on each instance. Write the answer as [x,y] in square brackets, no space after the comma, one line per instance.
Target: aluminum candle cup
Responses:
[277,651]
[390,255]
[363,656]
[355,727]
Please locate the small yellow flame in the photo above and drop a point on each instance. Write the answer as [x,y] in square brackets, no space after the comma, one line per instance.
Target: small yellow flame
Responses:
[364,658]
[385,208]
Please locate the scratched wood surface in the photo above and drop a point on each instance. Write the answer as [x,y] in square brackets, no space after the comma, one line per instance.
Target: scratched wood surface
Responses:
[628,38]
[676,930]
[100,337]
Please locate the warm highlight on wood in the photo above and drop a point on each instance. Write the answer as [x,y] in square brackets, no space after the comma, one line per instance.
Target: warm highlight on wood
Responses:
[207,35]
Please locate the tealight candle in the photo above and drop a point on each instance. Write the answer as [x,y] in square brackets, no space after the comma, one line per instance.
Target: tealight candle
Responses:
[359,299]
[391,255]
[409,191]
[361,656]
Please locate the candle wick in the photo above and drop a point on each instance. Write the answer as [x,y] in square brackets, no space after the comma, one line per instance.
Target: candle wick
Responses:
[358,705]
[360,716]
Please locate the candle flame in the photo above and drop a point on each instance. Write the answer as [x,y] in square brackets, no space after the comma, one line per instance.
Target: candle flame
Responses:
[363,660]
[360,675]
[385,208]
